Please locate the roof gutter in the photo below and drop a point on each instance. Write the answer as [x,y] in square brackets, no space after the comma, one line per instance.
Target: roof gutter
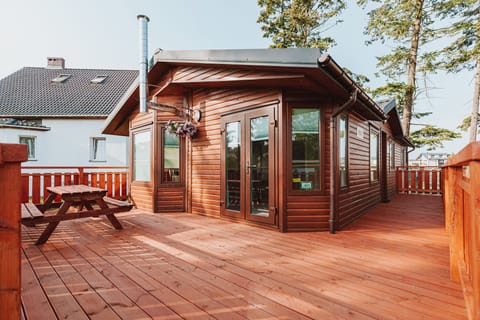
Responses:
[339,76]
[333,163]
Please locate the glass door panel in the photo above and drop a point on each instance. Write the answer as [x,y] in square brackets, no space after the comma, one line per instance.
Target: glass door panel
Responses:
[232,163]
[260,165]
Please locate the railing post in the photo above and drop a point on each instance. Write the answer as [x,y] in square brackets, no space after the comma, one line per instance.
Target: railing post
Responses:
[11,156]
[80,174]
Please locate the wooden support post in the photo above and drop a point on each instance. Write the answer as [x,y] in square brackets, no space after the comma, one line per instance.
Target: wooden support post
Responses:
[11,156]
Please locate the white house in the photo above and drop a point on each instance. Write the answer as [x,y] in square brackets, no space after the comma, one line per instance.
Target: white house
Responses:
[59,113]
[430,159]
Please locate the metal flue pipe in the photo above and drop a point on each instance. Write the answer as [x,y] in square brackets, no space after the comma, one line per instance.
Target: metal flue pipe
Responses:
[143,59]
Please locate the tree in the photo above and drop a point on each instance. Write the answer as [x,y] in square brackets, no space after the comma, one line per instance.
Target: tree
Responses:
[467,122]
[407,27]
[464,51]
[432,137]
[299,23]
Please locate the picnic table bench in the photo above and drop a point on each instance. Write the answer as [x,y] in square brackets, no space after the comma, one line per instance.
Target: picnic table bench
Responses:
[89,202]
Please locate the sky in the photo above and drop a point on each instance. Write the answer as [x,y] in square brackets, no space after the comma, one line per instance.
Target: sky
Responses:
[103,34]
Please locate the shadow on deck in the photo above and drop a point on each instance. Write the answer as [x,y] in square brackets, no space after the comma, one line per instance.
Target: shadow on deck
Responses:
[390,264]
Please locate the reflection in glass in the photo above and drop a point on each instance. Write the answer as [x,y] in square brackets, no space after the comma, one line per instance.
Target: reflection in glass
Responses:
[232,162]
[258,166]
[342,152]
[305,149]
[141,156]
[171,157]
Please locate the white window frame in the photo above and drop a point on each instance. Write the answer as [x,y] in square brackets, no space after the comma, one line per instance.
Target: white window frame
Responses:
[97,155]
[31,155]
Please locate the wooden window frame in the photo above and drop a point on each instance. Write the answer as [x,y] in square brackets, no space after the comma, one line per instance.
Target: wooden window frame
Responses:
[161,159]
[375,130]
[322,190]
[133,132]
[391,151]
[34,139]
[345,187]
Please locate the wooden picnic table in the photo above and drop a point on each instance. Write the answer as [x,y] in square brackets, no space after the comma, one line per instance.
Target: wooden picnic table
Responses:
[89,202]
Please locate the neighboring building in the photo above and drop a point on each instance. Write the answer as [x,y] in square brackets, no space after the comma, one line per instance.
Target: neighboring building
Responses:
[430,159]
[59,113]
[286,139]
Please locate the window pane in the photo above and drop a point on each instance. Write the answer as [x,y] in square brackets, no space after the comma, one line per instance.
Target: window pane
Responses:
[259,166]
[392,154]
[141,156]
[342,154]
[305,149]
[98,149]
[30,142]
[171,157]
[373,156]
[232,157]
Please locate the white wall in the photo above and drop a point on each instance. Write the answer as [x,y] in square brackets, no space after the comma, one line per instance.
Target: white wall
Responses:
[67,143]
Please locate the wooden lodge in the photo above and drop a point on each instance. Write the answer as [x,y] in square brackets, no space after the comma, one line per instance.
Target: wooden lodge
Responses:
[286,139]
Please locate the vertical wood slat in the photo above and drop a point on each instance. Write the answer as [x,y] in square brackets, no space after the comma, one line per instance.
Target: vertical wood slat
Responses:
[462,215]
[11,156]
[116,185]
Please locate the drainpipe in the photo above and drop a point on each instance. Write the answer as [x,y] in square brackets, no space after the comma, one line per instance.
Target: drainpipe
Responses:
[143,60]
[333,149]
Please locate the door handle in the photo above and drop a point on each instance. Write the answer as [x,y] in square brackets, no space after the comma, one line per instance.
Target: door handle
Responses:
[250,166]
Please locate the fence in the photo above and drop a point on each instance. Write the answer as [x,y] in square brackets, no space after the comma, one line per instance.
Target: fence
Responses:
[419,180]
[36,180]
[462,222]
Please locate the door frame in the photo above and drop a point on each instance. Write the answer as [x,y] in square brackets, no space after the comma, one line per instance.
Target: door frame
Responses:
[245,213]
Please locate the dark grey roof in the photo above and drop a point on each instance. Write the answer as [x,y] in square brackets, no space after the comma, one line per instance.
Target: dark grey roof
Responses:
[386,104]
[304,57]
[29,92]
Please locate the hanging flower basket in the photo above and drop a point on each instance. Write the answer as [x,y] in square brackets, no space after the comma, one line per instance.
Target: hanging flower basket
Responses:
[186,129]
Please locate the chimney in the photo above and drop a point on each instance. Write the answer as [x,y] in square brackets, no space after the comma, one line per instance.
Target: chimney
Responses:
[143,60]
[55,63]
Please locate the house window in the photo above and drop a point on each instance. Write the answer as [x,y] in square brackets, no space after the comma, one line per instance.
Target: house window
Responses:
[391,149]
[305,149]
[343,151]
[98,149]
[30,141]
[171,157]
[61,78]
[373,155]
[141,155]
[99,79]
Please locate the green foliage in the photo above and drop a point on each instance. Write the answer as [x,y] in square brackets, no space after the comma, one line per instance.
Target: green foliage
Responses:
[464,49]
[432,137]
[299,23]
[465,125]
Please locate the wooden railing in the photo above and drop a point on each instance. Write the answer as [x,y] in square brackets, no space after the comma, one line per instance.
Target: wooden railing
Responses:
[462,222]
[35,180]
[419,180]
[11,156]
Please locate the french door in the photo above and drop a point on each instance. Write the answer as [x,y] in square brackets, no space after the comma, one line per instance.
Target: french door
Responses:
[248,165]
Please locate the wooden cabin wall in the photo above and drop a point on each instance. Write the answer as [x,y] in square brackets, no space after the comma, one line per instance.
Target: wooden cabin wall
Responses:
[361,194]
[205,148]
[309,212]
[141,193]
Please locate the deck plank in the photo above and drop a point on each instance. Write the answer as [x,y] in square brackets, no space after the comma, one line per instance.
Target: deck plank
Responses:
[390,264]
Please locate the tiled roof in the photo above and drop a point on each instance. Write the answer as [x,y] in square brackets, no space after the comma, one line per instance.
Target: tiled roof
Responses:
[29,92]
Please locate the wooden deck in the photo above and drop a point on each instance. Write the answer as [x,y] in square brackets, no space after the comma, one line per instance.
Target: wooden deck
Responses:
[390,264]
